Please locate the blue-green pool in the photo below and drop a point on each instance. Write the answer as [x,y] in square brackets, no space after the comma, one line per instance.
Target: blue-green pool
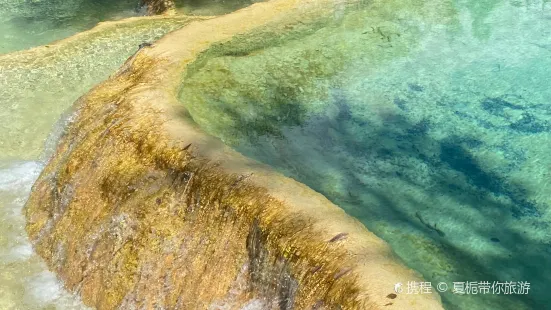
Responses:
[29,23]
[430,121]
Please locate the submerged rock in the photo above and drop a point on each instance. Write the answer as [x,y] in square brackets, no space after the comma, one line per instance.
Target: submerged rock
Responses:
[155,7]
[139,208]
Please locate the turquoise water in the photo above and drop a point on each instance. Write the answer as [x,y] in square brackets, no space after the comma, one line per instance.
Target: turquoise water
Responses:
[436,136]
[28,23]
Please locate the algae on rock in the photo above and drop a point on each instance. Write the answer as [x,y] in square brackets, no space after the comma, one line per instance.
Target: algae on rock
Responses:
[140,208]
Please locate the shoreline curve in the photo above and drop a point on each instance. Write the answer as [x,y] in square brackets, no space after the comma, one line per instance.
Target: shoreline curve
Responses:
[139,208]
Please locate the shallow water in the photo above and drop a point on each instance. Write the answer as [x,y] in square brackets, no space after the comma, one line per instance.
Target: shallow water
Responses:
[24,23]
[436,136]
[28,23]
[37,86]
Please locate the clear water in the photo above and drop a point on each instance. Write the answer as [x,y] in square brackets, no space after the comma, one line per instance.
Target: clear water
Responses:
[37,86]
[29,23]
[435,134]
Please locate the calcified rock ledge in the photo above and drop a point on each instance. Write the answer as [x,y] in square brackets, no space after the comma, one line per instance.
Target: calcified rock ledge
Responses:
[139,209]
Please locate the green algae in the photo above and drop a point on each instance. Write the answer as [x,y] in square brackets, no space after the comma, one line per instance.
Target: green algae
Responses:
[239,92]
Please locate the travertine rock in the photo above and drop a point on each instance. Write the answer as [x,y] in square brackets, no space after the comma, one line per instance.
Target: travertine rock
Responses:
[139,209]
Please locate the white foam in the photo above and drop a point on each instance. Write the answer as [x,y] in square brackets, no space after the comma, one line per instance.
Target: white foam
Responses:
[44,290]
[17,253]
[41,288]
[19,176]
[255,304]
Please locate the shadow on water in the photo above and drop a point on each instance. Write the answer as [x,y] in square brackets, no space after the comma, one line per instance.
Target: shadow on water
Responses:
[391,174]
[439,171]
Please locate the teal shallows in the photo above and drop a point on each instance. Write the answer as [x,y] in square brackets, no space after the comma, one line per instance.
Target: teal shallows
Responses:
[432,131]
[28,23]
[265,88]
[36,90]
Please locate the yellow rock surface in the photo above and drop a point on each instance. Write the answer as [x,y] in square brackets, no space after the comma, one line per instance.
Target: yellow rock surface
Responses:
[139,209]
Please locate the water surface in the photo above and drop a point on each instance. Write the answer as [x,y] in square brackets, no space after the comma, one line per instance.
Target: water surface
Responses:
[430,122]
[28,23]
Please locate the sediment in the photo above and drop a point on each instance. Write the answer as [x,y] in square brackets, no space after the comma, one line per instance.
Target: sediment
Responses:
[140,209]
